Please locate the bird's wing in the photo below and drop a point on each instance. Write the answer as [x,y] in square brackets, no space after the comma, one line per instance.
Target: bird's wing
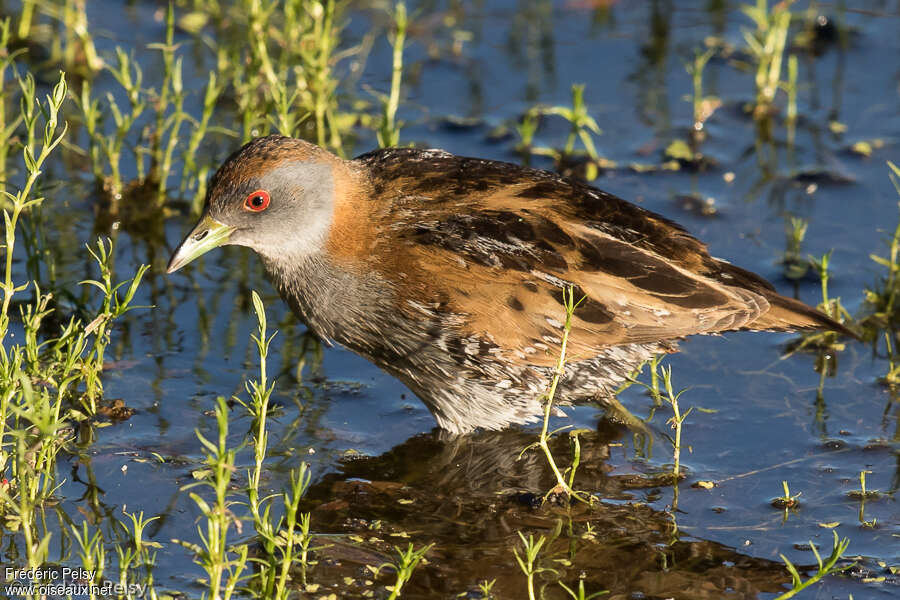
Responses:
[491,246]
[493,251]
[509,291]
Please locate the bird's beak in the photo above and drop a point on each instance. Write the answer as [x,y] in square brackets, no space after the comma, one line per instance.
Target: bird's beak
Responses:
[208,234]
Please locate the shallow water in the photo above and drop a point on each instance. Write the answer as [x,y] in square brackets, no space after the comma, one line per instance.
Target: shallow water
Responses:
[769,419]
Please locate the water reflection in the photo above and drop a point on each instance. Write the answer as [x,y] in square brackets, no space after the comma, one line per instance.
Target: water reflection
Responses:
[531,46]
[470,495]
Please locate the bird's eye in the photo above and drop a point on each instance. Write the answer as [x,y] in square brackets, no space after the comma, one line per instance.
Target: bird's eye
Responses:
[258,201]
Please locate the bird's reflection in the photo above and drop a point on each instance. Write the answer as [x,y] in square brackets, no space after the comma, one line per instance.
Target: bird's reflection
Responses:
[471,495]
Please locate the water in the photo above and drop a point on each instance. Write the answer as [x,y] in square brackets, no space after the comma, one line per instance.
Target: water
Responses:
[768,417]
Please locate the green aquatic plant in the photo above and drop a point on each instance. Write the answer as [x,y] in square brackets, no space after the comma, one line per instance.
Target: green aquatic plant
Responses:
[79,45]
[128,73]
[863,494]
[531,550]
[407,561]
[563,486]
[34,156]
[830,306]
[154,149]
[281,72]
[321,82]
[59,360]
[260,392]
[165,137]
[580,593]
[582,125]
[91,548]
[26,16]
[72,44]
[766,46]
[195,175]
[136,554]
[827,566]
[653,386]
[389,129]
[526,128]
[892,377]
[279,537]
[825,342]
[790,86]
[224,564]
[703,106]
[485,588]
[8,124]
[676,421]
[112,307]
[795,264]
[47,374]
[882,299]
[786,500]
[284,541]
[29,451]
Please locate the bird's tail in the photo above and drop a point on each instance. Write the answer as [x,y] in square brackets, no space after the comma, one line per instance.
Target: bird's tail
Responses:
[784,314]
[787,314]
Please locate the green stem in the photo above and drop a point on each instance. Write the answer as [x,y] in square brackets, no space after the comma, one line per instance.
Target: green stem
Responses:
[390,133]
[27,15]
[551,394]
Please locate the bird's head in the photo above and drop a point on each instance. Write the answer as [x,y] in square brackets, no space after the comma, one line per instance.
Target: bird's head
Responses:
[274,195]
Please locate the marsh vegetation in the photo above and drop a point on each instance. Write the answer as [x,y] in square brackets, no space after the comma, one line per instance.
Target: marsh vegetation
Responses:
[186,434]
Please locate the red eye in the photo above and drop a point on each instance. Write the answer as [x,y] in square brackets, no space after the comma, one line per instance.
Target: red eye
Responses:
[258,201]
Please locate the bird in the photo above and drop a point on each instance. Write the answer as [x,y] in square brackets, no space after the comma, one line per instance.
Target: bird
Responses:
[451,273]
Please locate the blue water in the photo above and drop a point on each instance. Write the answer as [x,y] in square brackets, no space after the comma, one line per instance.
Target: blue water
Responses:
[763,425]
